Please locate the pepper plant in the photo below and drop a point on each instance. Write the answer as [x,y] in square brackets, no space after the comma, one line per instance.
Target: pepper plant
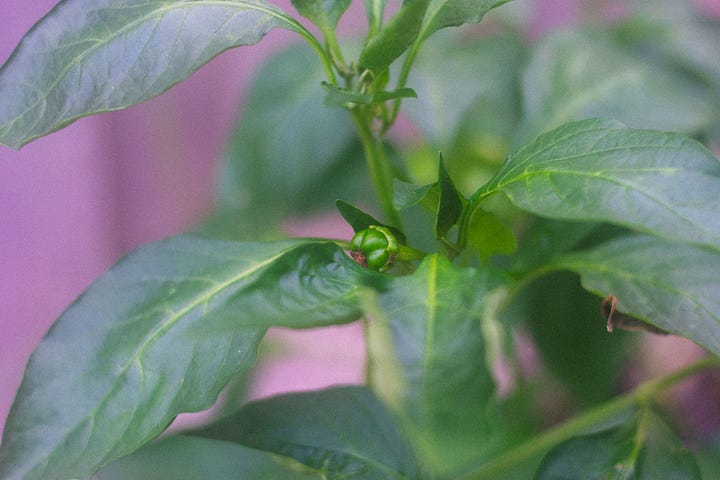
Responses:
[542,183]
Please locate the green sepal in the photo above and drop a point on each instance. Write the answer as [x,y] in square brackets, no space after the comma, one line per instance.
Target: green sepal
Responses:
[360,220]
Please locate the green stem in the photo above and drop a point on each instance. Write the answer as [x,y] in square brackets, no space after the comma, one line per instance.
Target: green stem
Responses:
[377,165]
[642,395]
[317,46]
[402,79]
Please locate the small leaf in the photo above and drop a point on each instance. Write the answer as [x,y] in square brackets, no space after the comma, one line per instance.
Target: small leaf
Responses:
[161,334]
[186,457]
[360,220]
[673,287]
[395,37]
[660,183]
[450,206]
[341,432]
[452,13]
[407,195]
[80,60]
[323,13]
[343,97]
[427,359]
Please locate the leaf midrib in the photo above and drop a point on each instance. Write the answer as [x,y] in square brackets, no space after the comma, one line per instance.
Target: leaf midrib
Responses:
[159,12]
[163,327]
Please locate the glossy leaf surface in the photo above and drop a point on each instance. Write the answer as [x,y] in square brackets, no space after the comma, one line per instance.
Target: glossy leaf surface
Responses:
[600,170]
[575,76]
[674,287]
[82,59]
[427,359]
[341,433]
[160,334]
[186,457]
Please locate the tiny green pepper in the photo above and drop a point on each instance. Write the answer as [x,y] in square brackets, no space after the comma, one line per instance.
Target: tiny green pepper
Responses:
[375,247]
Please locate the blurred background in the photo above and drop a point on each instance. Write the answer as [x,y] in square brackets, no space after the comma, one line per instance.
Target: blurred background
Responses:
[74,202]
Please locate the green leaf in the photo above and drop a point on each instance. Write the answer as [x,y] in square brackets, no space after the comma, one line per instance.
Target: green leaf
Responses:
[342,97]
[599,170]
[323,13]
[571,337]
[342,433]
[427,359]
[645,449]
[80,60]
[150,339]
[375,11]
[488,235]
[317,161]
[674,287]
[450,206]
[185,457]
[576,75]
[360,220]
[395,37]
[406,195]
[452,13]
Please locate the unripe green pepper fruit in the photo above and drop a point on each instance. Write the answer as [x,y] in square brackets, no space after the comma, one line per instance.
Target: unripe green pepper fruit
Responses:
[375,247]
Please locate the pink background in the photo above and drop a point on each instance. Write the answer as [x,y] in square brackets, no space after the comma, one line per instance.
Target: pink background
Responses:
[73,202]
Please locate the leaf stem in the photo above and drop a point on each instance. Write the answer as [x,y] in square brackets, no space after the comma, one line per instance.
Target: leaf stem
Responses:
[642,395]
[377,165]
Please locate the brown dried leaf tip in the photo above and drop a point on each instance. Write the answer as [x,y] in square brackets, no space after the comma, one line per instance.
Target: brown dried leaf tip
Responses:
[619,320]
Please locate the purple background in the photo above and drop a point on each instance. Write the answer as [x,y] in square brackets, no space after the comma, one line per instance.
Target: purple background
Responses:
[73,202]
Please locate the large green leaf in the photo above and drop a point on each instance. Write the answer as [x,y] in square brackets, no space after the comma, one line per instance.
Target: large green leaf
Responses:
[427,359]
[289,152]
[576,75]
[342,433]
[599,170]
[162,333]
[194,458]
[644,449]
[674,287]
[82,59]
[453,13]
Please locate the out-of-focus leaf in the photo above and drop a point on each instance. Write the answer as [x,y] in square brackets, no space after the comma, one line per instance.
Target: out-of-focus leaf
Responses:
[599,170]
[487,235]
[375,10]
[323,13]
[574,76]
[570,333]
[186,457]
[427,359]
[82,59]
[289,152]
[645,449]
[394,37]
[456,80]
[673,287]
[341,433]
[161,334]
